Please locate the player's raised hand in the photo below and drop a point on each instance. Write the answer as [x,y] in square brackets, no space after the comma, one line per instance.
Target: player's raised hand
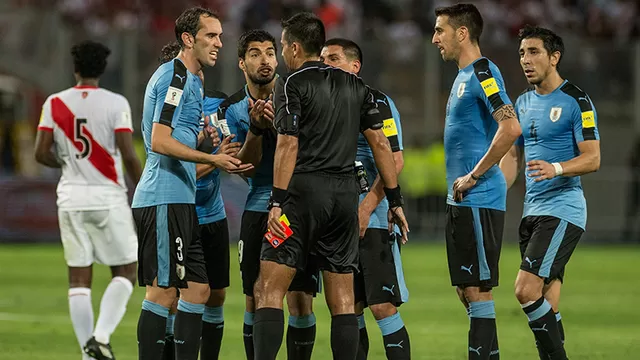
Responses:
[229,164]
[396,217]
[228,147]
[274,224]
[256,110]
[461,185]
[540,170]
[268,113]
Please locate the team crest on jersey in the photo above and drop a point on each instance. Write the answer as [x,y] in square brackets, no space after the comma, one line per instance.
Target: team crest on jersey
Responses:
[180,271]
[461,90]
[85,94]
[555,113]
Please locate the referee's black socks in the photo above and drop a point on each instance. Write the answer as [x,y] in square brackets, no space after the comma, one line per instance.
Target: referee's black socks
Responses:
[544,325]
[301,336]
[212,330]
[151,330]
[344,336]
[395,337]
[483,343]
[268,328]
[188,329]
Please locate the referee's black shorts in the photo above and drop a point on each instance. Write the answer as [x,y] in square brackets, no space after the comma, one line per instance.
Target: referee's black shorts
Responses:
[323,212]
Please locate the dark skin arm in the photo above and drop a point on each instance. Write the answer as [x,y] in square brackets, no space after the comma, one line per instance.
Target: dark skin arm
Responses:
[43,149]
[124,142]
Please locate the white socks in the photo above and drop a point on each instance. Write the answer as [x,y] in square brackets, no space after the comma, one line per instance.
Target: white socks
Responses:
[81,314]
[112,308]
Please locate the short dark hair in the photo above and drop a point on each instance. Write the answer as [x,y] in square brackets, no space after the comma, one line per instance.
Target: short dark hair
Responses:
[169,52]
[189,21]
[466,15]
[90,59]
[350,48]
[551,41]
[307,29]
[251,36]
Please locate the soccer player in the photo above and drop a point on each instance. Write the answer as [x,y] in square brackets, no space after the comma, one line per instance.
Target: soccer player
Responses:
[92,133]
[380,282]
[249,114]
[320,111]
[214,230]
[561,142]
[474,144]
[171,253]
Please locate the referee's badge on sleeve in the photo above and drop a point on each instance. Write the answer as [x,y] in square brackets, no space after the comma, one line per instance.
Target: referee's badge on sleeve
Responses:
[555,113]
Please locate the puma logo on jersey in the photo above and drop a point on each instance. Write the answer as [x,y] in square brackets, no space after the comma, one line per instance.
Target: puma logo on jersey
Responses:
[180,77]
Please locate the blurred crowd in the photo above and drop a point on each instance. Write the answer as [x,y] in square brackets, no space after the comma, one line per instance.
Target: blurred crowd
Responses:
[407,19]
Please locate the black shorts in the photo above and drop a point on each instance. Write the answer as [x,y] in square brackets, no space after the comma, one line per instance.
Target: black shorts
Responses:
[323,212]
[546,244]
[169,246]
[252,230]
[474,241]
[215,243]
[381,279]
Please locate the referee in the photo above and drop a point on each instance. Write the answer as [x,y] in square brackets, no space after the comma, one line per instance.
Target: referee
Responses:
[320,111]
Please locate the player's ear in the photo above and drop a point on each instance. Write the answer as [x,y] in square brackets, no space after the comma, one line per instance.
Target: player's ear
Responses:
[555,58]
[187,39]
[241,64]
[356,65]
[462,33]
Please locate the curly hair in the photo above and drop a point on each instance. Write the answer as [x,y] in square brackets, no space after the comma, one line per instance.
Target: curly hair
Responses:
[169,52]
[90,59]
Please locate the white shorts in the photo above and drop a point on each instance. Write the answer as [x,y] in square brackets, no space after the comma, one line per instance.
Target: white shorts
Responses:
[103,236]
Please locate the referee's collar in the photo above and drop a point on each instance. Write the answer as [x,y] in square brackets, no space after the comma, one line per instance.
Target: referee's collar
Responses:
[311,63]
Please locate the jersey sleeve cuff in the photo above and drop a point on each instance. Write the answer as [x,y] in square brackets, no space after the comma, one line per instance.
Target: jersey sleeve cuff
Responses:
[124,130]
[44,128]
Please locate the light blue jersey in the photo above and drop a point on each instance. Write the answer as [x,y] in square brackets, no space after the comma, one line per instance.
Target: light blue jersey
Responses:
[173,97]
[552,127]
[477,92]
[209,204]
[235,111]
[393,130]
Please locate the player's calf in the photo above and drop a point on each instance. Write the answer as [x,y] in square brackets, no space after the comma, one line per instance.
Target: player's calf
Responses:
[483,342]
[344,324]
[213,325]
[542,319]
[394,333]
[301,333]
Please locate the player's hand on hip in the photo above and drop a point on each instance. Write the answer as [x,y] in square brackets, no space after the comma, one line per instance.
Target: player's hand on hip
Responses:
[540,170]
[274,224]
[461,185]
[228,147]
[396,217]
[229,164]
[363,220]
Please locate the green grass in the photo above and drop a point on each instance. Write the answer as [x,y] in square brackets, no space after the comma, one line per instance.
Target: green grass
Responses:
[599,308]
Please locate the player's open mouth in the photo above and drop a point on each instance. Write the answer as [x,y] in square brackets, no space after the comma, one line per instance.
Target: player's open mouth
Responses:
[214,54]
[528,72]
[265,71]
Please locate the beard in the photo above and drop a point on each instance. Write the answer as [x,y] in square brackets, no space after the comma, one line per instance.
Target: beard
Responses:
[260,79]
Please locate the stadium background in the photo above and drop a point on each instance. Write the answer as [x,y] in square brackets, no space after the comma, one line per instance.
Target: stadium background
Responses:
[602,57]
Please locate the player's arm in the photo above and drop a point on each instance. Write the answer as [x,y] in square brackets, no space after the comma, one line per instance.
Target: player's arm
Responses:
[287,120]
[511,164]
[44,139]
[371,123]
[585,133]
[261,117]
[123,129]
[162,141]
[393,131]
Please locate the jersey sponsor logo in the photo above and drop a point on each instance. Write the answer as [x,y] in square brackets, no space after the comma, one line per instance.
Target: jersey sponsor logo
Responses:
[490,86]
[389,128]
[555,113]
[461,89]
[588,119]
[173,96]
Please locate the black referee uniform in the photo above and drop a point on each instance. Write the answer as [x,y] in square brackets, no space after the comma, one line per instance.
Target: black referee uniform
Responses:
[326,108]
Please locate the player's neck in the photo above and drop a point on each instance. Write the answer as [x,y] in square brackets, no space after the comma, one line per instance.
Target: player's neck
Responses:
[300,61]
[468,54]
[192,64]
[87,82]
[549,84]
[260,92]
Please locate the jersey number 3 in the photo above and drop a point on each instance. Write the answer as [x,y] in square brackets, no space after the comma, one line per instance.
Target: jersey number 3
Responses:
[79,136]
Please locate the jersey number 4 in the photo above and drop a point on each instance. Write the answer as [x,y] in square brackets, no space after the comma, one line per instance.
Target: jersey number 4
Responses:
[79,136]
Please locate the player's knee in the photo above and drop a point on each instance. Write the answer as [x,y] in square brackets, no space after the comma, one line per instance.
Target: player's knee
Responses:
[80,277]
[160,296]
[382,311]
[196,293]
[526,291]
[299,303]
[460,293]
[474,293]
[216,297]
